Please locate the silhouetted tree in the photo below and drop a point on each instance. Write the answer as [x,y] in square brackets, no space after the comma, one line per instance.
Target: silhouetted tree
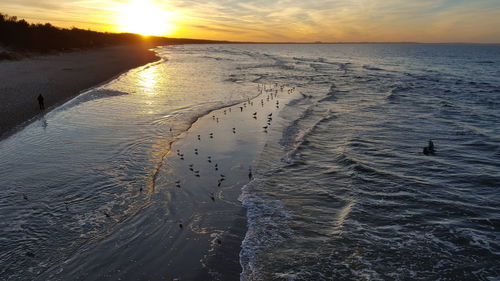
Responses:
[19,35]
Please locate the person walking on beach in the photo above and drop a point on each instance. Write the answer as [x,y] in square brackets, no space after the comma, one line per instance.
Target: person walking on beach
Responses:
[40,102]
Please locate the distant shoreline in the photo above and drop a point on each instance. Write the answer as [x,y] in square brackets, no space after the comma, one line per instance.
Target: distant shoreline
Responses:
[358,43]
[58,78]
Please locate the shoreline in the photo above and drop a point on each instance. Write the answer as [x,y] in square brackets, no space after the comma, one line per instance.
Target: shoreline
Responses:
[205,172]
[59,78]
[194,223]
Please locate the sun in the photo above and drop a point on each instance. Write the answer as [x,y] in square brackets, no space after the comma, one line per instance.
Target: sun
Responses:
[146,18]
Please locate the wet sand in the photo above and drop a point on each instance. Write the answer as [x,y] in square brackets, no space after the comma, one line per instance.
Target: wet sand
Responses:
[59,78]
[193,227]
[206,169]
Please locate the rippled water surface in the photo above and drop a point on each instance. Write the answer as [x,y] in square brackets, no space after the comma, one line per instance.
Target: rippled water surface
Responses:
[343,192]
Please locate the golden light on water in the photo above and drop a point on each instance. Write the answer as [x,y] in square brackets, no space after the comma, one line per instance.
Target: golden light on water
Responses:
[148,80]
[145,17]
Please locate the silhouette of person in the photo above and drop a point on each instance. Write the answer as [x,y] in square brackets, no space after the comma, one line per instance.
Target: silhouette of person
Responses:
[429,150]
[431,146]
[40,102]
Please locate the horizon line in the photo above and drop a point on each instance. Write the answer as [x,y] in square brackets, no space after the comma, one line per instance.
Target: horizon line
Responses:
[223,41]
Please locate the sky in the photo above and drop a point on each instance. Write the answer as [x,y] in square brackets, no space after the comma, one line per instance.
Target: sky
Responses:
[476,21]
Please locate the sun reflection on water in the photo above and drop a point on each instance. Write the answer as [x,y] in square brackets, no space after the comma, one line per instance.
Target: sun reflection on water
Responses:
[148,80]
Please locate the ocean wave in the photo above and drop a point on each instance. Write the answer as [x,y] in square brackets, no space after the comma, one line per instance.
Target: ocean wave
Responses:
[92,95]
[368,67]
[266,219]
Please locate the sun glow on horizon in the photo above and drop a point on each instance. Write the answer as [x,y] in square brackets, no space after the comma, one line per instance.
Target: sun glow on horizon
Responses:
[146,18]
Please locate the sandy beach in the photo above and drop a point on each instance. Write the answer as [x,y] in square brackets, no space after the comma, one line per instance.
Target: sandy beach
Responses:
[59,78]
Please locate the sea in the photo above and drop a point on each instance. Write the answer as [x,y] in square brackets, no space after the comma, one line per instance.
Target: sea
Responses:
[342,191]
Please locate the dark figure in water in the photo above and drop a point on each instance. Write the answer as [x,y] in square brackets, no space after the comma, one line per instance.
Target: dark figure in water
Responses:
[40,102]
[429,149]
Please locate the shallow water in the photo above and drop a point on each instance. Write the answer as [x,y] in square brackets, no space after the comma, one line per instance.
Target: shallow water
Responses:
[354,197]
[342,192]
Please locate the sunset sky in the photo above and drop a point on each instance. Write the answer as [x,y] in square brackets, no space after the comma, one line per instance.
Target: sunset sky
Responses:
[276,20]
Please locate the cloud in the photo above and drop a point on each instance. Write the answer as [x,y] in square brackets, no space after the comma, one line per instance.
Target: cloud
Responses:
[294,20]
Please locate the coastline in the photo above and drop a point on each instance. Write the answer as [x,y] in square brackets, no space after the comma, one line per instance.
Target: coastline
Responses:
[59,78]
[194,223]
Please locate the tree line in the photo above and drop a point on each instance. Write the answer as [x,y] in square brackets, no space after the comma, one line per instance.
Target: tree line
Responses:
[20,36]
